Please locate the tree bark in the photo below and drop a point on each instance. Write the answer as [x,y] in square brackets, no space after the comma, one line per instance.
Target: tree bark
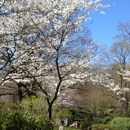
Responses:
[50,111]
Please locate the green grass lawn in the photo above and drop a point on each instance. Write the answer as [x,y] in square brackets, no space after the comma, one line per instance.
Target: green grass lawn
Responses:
[68,128]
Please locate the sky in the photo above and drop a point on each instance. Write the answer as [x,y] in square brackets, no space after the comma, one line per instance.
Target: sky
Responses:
[104,26]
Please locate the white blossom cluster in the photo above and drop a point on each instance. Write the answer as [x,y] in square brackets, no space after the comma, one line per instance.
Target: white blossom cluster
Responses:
[125,74]
[37,41]
[106,81]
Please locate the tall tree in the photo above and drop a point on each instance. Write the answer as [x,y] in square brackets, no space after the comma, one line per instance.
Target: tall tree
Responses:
[41,40]
[124,31]
[118,57]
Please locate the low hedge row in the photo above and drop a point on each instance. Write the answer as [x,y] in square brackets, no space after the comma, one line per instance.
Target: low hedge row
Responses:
[118,123]
[103,127]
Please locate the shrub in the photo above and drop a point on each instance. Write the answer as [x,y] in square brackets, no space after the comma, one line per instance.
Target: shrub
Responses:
[1,121]
[109,111]
[122,123]
[63,113]
[19,121]
[43,123]
[10,107]
[34,104]
[81,114]
[104,120]
[14,122]
[85,125]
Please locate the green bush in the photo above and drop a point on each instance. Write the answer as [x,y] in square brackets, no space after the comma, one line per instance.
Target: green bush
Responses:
[103,127]
[1,121]
[14,122]
[122,123]
[81,114]
[25,115]
[44,124]
[19,121]
[109,111]
[85,124]
[63,113]
[10,107]
[34,104]
[104,120]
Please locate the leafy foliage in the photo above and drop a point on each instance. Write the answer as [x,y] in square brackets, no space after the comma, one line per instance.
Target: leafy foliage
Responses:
[20,121]
[63,113]
[103,120]
[122,123]
[85,125]
[81,113]
[26,115]
[34,104]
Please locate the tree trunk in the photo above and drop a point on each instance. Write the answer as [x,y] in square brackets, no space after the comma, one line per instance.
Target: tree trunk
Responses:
[127,104]
[121,81]
[20,93]
[127,108]
[50,111]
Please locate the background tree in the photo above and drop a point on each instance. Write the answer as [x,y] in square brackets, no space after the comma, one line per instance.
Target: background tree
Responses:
[118,57]
[98,99]
[124,31]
